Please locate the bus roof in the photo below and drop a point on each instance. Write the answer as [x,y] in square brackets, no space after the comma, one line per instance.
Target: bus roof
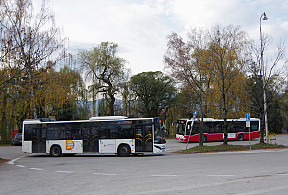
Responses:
[107,118]
[102,118]
[212,119]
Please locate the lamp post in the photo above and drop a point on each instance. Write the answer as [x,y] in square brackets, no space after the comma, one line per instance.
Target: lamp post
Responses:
[262,69]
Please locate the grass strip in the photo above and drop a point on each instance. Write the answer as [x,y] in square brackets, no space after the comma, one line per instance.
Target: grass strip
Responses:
[2,161]
[229,148]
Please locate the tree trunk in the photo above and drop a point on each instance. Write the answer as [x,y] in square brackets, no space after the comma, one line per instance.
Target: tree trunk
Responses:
[225,119]
[111,102]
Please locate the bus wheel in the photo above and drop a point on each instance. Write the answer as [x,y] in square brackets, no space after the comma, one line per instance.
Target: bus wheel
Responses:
[124,150]
[55,151]
[240,137]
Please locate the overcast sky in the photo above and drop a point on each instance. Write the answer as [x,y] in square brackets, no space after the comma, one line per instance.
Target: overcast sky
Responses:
[140,27]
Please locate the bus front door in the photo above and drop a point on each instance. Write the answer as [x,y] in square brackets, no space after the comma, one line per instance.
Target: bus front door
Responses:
[91,140]
[144,140]
[38,140]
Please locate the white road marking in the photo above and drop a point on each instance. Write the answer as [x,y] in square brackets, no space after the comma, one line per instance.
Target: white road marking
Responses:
[12,162]
[22,166]
[37,169]
[64,171]
[220,175]
[164,175]
[107,174]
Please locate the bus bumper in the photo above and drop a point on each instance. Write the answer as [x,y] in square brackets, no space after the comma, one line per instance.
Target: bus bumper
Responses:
[159,148]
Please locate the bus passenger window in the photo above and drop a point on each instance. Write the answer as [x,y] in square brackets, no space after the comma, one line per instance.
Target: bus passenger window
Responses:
[28,134]
[69,135]
[55,134]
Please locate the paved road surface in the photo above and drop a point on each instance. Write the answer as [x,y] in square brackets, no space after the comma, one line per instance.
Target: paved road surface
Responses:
[248,172]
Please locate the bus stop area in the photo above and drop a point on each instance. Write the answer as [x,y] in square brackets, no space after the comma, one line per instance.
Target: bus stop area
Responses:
[174,145]
[219,173]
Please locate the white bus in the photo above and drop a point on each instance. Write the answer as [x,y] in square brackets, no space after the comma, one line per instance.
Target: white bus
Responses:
[110,135]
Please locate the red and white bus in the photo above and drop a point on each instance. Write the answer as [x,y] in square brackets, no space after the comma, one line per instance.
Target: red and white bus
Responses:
[213,129]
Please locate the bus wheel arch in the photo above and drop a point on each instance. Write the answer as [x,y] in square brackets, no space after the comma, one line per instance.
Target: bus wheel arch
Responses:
[240,137]
[124,150]
[55,151]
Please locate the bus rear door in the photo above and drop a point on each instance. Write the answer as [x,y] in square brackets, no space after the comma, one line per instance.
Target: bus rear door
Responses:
[90,139]
[39,140]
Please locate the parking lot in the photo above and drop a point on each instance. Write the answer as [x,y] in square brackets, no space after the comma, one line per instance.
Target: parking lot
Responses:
[12,152]
[169,173]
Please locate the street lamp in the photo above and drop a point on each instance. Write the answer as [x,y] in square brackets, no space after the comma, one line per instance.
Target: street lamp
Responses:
[262,69]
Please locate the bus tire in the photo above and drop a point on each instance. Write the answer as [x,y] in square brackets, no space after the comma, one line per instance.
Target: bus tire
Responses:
[55,151]
[240,137]
[124,150]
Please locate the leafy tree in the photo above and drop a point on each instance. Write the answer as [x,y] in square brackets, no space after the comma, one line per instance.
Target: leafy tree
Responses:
[128,100]
[27,41]
[154,92]
[106,71]
[227,53]
[186,60]
[210,65]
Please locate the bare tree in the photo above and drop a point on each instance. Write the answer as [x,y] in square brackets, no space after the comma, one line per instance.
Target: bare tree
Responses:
[263,72]
[27,40]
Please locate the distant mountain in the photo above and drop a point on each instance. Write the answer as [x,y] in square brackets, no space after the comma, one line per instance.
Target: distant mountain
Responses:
[118,103]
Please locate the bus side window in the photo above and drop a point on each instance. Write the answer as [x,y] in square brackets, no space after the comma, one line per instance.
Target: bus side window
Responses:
[75,134]
[125,132]
[218,127]
[51,135]
[207,128]
[28,133]
[56,134]
[213,127]
[104,133]
[113,131]
[254,125]
[229,127]
[195,127]
[241,126]
[69,135]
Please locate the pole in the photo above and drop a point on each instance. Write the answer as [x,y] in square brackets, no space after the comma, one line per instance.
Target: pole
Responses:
[248,125]
[249,139]
[266,117]
[190,133]
[263,79]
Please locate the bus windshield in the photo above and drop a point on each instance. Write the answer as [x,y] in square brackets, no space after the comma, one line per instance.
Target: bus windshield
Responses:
[180,128]
[159,134]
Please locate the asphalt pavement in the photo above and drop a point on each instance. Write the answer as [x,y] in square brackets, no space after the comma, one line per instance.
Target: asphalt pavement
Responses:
[172,145]
[246,172]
